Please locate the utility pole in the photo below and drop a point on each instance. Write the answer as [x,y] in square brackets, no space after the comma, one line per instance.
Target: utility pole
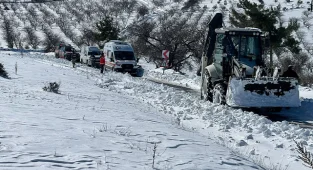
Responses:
[26,1]
[4,2]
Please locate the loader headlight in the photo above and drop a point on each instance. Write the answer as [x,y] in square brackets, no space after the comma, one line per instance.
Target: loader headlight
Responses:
[255,33]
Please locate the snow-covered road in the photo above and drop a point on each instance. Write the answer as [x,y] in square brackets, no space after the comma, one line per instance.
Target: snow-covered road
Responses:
[87,127]
[266,142]
[300,116]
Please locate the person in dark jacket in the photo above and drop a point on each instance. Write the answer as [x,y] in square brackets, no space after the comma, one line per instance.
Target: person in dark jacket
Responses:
[290,73]
[73,57]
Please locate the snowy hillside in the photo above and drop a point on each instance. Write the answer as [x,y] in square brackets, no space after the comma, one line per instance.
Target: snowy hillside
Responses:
[114,120]
[71,18]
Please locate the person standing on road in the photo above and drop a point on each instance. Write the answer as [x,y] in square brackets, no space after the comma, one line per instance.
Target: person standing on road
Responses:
[102,62]
[73,57]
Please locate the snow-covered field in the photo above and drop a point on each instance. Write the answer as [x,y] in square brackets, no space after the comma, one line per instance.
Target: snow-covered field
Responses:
[87,126]
[113,121]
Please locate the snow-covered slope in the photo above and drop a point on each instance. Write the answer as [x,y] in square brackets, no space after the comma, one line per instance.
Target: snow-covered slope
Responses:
[81,110]
[92,127]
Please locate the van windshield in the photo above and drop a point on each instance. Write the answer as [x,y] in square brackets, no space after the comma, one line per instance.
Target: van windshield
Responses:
[94,51]
[124,55]
[68,48]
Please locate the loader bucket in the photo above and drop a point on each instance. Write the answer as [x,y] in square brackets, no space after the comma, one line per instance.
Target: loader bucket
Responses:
[264,92]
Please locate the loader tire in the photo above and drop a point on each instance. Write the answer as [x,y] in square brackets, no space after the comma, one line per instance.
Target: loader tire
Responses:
[219,93]
[208,96]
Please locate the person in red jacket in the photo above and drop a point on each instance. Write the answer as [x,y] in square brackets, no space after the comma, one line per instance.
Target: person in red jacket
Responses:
[102,62]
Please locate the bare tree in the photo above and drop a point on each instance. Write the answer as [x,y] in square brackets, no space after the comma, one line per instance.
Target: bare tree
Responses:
[33,16]
[182,36]
[77,16]
[47,15]
[50,40]
[65,25]
[126,8]
[103,9]
[190,4]
[307,18]
[88,36]
[8,30]
[89,10]
[158,3]
[31,37]
[14,7]
[301,36]
[142,11]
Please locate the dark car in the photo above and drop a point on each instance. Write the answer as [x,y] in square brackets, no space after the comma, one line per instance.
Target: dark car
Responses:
[66,52]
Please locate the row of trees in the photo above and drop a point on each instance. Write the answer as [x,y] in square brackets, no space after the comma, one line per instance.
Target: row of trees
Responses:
[77,20]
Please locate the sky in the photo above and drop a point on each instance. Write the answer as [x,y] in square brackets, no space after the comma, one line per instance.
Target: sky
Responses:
[114,121]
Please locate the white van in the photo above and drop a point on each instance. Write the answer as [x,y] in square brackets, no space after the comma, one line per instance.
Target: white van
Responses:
[119,56]
[90,55]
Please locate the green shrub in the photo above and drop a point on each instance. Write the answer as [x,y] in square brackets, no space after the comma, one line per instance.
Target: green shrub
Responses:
[52,87]
[3,73]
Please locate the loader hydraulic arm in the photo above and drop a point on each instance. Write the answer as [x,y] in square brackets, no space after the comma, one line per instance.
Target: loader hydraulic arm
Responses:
[208,48]
[216,22]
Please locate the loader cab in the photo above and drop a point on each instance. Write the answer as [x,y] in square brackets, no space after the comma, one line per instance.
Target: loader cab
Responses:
[242,45]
